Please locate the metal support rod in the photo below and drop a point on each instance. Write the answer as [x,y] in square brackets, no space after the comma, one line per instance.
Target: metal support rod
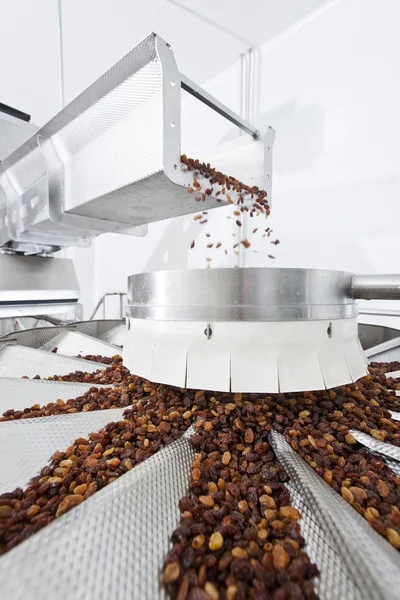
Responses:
[101,302]
[60,54]
[376,287]
[192,88]
[121,306]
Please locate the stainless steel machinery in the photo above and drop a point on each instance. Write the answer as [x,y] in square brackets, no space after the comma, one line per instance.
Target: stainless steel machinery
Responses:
[249,330]
[111,161]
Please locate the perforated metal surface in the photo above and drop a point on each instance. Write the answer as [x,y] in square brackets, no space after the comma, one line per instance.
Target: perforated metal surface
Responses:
[95,328]
[386,352]
[389,452]
[130,120]
[335,580]
[23,393]
[123,130]
[26,445]
[33,338]
[373,564]
[73,343]
[116,335]
[39,336]
[112,545]
[19,361]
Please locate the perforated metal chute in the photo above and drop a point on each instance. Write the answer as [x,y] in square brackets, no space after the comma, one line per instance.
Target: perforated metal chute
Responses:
[19,361]
[73,343]
[111,159]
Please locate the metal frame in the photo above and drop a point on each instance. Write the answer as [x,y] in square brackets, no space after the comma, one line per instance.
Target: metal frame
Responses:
[102,303]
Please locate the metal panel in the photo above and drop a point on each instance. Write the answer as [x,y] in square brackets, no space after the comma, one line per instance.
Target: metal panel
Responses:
[387,451]
[19,361]
[35,279]
[67,310]
[32,338]
[372,335]
[111,546]
[373,563]
[116,335]
[13,132]
[23,393]
[95,328]
[335,581]
[388,351]
[26,445]
[39,336]
[72,343]
[124,530]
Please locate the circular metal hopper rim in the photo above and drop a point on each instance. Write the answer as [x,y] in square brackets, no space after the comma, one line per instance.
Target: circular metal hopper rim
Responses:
[241,294]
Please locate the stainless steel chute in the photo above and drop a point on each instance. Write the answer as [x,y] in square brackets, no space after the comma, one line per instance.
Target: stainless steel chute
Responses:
[111,159]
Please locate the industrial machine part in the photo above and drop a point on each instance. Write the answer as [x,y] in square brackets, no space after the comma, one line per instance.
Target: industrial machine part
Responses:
[15,129]
[249,330]
[34,285]
[57,189]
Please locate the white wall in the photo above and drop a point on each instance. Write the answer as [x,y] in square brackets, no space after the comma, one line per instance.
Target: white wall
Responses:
[329,89]
[29,75]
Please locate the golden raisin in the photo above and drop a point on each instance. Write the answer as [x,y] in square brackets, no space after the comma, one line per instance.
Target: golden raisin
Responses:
[171,572]
[216,541]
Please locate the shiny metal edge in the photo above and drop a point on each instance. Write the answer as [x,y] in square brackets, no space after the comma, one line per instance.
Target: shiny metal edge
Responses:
[243,313]
[258,294]
[374,445]
[382,348]
[384,286]
[248,286]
